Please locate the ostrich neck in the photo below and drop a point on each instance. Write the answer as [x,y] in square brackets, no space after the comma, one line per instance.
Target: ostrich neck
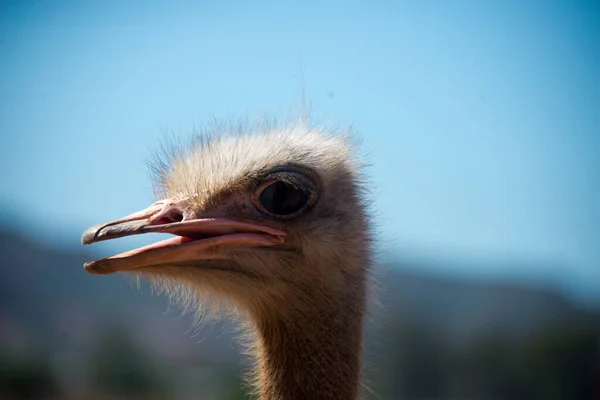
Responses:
[312,355]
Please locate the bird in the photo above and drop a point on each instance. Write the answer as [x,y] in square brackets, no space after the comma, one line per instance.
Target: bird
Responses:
[274,222]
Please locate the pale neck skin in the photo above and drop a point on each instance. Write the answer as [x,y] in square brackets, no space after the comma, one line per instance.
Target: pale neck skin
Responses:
[315,355]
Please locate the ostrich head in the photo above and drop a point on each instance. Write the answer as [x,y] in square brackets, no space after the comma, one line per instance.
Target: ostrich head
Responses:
[274,223]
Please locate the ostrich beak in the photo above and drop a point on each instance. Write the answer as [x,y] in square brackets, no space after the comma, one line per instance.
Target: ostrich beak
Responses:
[196,239]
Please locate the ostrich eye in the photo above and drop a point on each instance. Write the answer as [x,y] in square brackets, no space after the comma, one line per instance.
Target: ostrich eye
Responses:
[282,199]
[287,193]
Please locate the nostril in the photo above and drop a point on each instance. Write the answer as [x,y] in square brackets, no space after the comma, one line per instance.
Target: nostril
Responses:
[175,216]
[169,217]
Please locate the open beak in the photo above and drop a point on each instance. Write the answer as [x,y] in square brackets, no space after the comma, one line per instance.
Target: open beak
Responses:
[196,239]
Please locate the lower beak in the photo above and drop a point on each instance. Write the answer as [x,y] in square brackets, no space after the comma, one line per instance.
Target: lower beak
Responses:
[197,239]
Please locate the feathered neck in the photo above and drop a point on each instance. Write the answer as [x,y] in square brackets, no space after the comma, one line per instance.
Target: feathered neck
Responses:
[313,353]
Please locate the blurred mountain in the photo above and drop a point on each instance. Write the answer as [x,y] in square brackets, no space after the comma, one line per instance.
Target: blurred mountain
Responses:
[39,283]
[47,298]
[432,337]
[464,310]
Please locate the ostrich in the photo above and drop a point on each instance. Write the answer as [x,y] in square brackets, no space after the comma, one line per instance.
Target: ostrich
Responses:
[275,223]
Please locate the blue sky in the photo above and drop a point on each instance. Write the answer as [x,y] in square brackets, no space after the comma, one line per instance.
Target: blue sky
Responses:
[481,120]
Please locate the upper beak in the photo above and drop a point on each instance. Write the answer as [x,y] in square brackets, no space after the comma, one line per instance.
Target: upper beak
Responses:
[197,239]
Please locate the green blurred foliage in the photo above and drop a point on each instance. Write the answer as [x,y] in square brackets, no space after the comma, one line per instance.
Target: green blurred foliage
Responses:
[562,362]
[118,367]
[26,376]
[554,362]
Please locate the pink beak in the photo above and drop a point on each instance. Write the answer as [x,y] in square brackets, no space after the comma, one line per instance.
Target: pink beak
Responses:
[197,239]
